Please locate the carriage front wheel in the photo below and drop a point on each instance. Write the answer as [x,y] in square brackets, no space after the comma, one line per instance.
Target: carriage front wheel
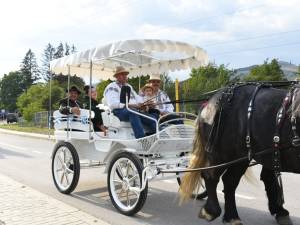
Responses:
[65,167]
[124,182]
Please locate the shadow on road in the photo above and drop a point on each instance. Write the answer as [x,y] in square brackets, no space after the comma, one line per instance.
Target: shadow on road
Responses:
[169,212]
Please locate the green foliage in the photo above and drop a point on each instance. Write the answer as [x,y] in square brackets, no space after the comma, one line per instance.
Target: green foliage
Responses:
[204,79]
[47,56]
[266,72]
[62,81]
[10,90]
[29,70]
[59,51]
[101,87]
[37,97]
[168,85]
[138,82]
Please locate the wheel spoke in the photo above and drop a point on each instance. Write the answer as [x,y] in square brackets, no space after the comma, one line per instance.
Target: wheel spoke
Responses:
[64,151]
[62,178]
[120,196]
[119,168]
[59,169]
[60,160]
[67,178]
[118,181]
[133,178]
[127,168]
[69,171]
[135,191]
[128,200]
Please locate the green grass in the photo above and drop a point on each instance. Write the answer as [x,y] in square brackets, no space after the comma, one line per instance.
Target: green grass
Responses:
[29,129]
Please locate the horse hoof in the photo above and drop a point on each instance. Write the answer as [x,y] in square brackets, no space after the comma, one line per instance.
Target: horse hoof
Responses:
[284,220]
[203,214]
[234,222]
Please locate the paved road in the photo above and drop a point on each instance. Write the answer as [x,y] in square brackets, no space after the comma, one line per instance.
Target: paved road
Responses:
[27,160]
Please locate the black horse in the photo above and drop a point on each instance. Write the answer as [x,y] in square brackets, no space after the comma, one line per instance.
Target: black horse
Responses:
[239,122]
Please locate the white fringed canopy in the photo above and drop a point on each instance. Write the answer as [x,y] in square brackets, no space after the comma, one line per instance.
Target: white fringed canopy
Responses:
[139,57]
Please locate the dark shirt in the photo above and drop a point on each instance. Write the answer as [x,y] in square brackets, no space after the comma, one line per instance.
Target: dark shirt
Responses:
[65,109]
[97,120]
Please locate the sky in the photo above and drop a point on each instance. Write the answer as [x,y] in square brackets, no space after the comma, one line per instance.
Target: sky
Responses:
[235,33]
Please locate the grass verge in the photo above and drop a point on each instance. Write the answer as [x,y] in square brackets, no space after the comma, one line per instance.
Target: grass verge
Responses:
[29,129]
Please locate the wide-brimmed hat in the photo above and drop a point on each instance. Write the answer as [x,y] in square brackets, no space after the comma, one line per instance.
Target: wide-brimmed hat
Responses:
[154,77]
[147,86]
[87,88]
[120,70]
[74,88]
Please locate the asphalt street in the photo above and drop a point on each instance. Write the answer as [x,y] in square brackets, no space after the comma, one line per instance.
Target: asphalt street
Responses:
[28,160]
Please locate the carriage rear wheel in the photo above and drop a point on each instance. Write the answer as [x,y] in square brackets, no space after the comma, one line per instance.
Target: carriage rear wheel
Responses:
[124,182]
[65,167]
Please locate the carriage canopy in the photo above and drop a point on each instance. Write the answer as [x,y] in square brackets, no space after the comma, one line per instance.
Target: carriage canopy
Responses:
[139,57]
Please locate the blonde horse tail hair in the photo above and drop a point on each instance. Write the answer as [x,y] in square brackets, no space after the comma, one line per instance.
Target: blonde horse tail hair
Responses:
[249,176]
[192,180]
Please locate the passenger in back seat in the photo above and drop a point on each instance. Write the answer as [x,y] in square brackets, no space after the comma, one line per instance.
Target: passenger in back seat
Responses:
[115,93]
[90,92]
[70,105]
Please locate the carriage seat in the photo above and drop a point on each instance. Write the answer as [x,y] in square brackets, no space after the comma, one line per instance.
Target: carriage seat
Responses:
[111,121]
[76,123]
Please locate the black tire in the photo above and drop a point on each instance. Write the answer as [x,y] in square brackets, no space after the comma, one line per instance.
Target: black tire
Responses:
[143,195]
[75,167]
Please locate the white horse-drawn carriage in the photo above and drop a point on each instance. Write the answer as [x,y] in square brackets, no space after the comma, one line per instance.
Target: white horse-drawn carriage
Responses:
[130,163]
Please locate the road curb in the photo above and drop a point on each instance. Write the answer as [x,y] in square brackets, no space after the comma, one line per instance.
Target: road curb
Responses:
[26,134]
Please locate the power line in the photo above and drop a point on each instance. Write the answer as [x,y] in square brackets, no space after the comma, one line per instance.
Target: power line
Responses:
[218,15]
[254,49]
[252,38]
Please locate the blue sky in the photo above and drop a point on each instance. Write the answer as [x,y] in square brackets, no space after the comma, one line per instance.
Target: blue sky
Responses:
[236,33]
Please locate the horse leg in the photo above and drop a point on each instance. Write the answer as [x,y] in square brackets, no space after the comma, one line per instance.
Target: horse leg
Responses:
[211,210]
[231,179]
[275,200]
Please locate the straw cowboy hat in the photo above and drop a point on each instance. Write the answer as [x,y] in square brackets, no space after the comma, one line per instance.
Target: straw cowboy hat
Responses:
[120,70]
[154,77]
[147,86]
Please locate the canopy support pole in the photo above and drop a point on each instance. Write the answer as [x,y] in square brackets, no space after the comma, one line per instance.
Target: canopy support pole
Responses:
[90,101]
[177,94]
[68,116]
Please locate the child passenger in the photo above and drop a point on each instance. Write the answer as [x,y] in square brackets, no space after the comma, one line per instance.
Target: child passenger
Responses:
[150,100]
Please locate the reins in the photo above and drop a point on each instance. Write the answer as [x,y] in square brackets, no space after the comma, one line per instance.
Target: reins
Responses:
[265,151]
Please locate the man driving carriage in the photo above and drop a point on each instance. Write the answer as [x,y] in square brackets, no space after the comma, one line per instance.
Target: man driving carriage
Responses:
[112,94]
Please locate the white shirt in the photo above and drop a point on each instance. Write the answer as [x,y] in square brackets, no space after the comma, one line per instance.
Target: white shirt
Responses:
[112,96]
[162,97]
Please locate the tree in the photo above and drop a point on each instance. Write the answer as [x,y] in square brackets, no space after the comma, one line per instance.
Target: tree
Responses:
[59,51]
[101,87]
[48,55]
[67,49]
[266,72]
[29,70]
[73,49]
[10,90]
[204,79]
[37,98]
[134,82]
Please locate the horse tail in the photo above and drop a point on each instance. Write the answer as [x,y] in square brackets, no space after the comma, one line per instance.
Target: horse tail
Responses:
[191,181]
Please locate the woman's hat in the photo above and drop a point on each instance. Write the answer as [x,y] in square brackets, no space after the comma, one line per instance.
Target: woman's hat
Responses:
[74,88]
[120,70]
[147,86]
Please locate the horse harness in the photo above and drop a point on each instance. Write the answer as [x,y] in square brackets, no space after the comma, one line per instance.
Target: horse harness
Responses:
[289,100]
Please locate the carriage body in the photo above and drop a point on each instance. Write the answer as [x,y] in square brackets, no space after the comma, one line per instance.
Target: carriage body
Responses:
[130,163]
[75,141]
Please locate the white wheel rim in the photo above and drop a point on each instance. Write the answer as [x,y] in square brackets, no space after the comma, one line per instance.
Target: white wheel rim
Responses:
[63,168]
[125,190]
